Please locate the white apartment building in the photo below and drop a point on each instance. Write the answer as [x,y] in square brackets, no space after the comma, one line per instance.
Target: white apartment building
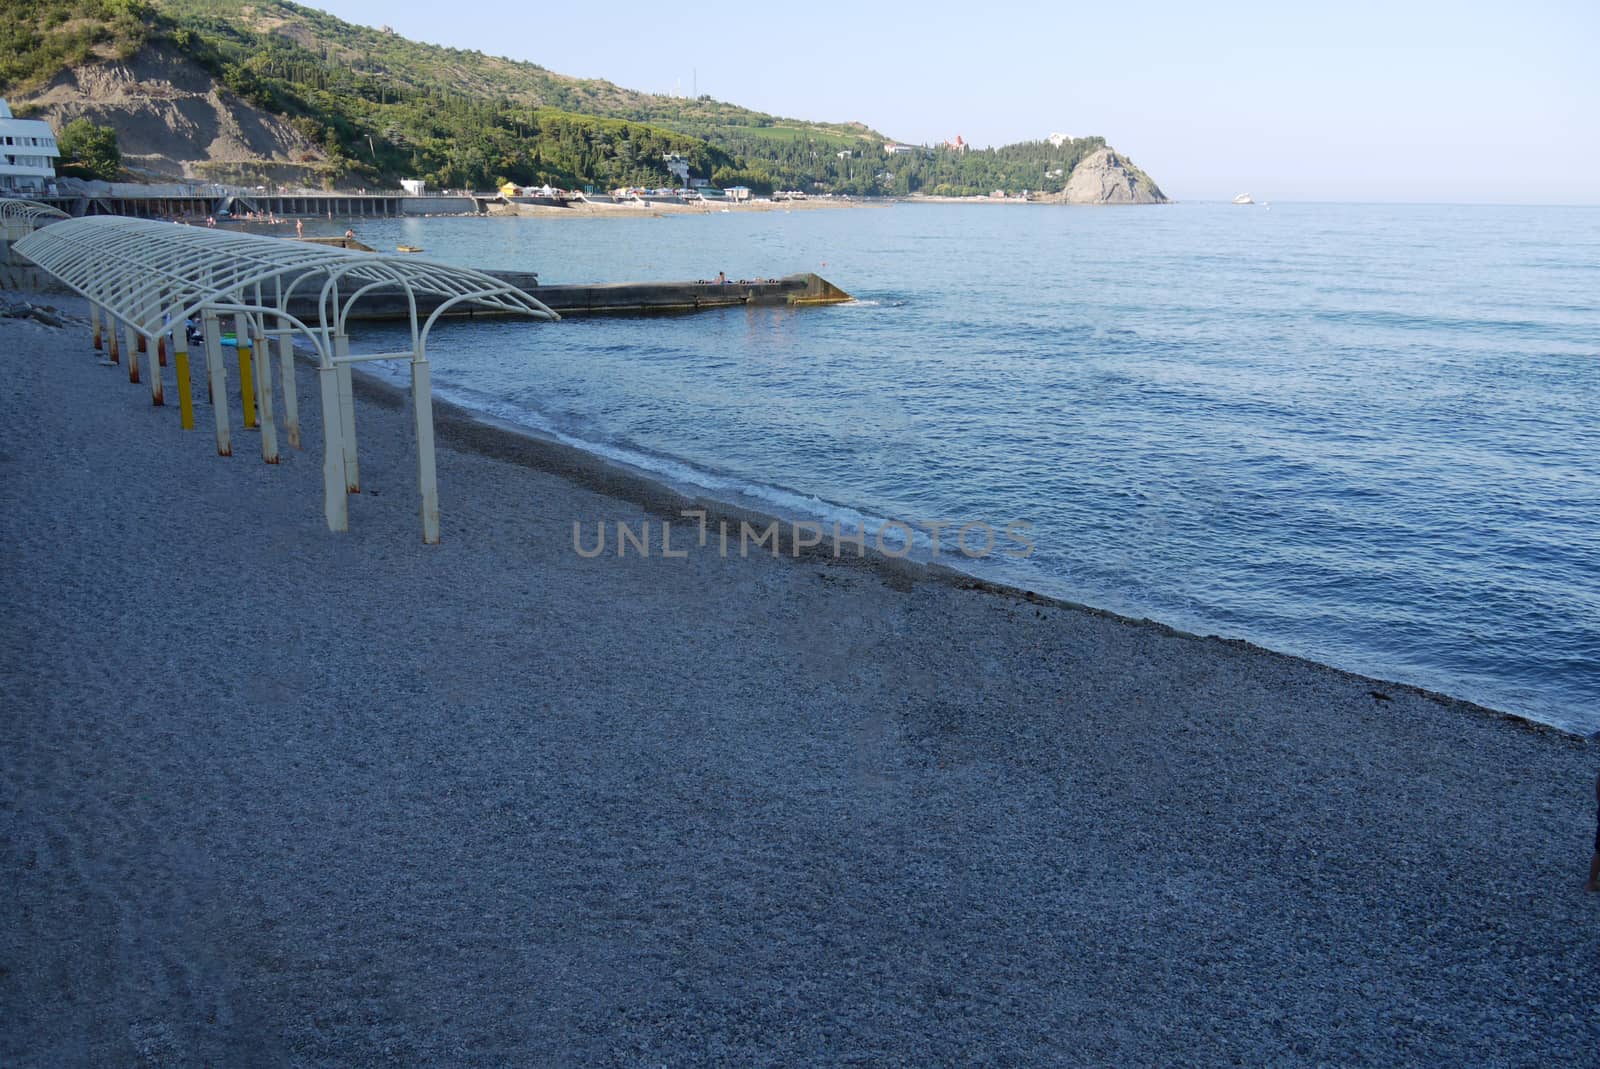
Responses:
[27,155]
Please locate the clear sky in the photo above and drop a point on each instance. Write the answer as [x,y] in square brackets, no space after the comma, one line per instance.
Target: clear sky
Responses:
[1401,101]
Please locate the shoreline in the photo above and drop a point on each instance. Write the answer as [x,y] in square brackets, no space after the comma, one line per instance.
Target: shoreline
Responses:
[273,794]
[493,436]
[504,439]
[661,208]
[658,208]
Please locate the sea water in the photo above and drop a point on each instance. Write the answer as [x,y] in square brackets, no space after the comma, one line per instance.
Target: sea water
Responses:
[1368,435]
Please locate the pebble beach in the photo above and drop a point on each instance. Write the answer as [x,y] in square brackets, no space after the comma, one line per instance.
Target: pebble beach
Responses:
[275,796]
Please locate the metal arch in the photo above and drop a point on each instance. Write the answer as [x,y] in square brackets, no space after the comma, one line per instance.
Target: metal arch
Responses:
[19,218]
[28,210]
[260,311]
[421,340]
[454,284]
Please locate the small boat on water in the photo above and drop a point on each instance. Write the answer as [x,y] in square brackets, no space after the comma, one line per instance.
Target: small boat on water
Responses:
[1244,198]
[408,248]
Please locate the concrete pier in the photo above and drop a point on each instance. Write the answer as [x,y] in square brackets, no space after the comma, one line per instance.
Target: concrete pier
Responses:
[620,298]
[662,298]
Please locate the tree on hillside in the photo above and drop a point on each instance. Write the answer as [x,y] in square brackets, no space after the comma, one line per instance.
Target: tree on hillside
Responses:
[89,150]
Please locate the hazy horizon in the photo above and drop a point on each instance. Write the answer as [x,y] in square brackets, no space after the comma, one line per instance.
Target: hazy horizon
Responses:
[1421,103]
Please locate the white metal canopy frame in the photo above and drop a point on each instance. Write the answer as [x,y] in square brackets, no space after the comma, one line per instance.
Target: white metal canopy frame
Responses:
[152,277]
[19,218]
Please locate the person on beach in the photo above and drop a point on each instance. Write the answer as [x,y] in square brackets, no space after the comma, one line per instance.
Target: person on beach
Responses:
[299,228]
[722,278]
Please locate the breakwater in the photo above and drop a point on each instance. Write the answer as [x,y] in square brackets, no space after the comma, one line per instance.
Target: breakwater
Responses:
[615,298]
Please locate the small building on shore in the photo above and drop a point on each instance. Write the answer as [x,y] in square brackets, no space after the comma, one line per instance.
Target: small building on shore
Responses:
[28,155]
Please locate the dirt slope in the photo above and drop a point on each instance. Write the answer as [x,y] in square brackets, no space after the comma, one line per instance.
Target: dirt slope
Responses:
[174,122]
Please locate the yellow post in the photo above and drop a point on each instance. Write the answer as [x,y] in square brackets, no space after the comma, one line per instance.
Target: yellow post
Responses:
[247,375]
[180,359]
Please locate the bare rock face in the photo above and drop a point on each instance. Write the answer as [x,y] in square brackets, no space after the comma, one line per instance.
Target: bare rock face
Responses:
[1105,177]
[172,120]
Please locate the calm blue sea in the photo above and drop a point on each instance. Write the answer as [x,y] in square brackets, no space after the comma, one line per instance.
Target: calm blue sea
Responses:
[1369,435]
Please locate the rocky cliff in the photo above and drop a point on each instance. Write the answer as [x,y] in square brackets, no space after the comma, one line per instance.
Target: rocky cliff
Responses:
[173,121]
[1106,177]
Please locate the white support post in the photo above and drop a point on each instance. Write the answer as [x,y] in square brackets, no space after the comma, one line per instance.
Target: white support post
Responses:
[157,396]
[427,475]
[269,428]
[347,415]
[94,321]
[130,342]
[291,401]
[335,505]
[218,377]
[153,363]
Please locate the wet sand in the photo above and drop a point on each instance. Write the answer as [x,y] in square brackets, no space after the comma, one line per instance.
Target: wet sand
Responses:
[275,796]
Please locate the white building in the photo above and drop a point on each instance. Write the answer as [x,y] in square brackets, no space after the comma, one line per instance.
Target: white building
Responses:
[28,155]
[678,167]
[1057,140]
[891,148]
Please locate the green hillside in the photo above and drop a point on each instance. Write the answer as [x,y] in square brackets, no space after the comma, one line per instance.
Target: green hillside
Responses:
[39,38]
[382,107]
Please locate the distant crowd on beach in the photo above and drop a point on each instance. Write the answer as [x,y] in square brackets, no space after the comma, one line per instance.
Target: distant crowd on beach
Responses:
[267,218]
[259,218]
